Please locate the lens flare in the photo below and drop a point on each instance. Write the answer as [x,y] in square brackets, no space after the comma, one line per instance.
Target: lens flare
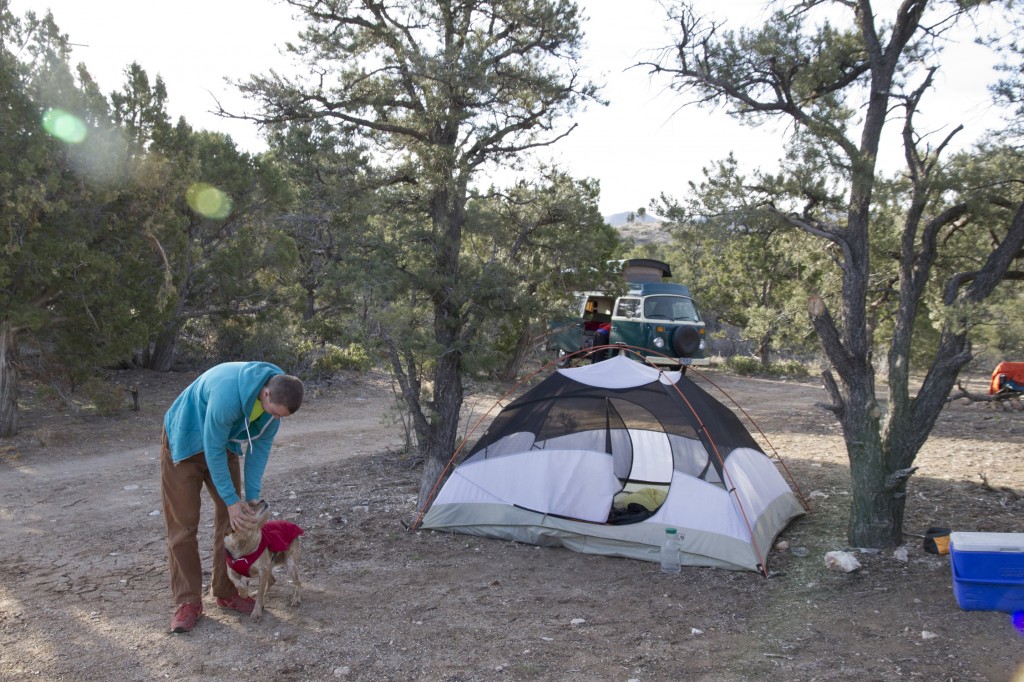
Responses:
[64,126]
[208,201]
[1018,622]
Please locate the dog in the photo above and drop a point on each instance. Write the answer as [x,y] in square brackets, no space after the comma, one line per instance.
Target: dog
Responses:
[252,556]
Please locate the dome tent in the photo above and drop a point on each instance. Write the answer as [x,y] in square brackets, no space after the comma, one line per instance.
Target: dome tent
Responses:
[556,464]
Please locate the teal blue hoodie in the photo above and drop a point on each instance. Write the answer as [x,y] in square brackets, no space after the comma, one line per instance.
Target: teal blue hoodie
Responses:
[212,416]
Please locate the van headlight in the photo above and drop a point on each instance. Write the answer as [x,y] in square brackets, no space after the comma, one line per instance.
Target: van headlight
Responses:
[659,342]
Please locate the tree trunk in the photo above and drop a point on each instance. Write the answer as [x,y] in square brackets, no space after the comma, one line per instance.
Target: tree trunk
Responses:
[764,350]
[310,310]
[521,349]
[878,494]
[8,382]
[162,356]
[438,445]
[448,215]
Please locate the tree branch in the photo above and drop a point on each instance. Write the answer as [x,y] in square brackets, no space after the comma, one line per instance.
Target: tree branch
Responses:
[980,283]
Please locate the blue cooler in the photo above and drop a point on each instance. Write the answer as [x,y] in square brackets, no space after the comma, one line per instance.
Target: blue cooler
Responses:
[988,571]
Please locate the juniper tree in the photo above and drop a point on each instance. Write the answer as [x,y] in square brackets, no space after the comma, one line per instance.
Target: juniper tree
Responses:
[839,75]
[441,92]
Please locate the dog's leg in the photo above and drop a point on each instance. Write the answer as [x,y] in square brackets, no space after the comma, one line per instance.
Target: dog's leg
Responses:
[261,592]
[241,584]
[293,570]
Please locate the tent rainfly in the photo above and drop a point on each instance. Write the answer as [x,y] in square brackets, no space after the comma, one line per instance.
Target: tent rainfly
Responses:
[601,459]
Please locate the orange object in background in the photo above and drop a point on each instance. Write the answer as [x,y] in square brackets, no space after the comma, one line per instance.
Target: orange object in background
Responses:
[1014,371]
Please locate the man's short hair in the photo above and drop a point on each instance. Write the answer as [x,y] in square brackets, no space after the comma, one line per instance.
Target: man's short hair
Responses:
[286,390]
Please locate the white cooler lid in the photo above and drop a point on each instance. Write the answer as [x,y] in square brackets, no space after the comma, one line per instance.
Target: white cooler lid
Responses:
[987,542]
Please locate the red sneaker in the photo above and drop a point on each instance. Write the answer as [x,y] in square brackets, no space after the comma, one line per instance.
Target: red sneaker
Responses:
[237,603]
[185,617]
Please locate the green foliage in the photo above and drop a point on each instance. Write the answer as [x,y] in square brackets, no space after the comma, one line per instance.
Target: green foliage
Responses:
[141,110]
[981,180]
[464,86]
[999,335]
[331,193]
[1009,90]
[207,341]
[332,359]
[748,267]
[901,268]
[743,365]
[121,231]
[530,249]
[748,366]
[74,257]
[107,398]
[225,261]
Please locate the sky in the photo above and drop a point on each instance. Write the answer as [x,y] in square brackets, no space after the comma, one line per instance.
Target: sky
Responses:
[643,144]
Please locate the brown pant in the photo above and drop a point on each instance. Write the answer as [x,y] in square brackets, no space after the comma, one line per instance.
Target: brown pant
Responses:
[181,485]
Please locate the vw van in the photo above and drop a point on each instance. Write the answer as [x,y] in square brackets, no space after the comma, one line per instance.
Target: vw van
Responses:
[657,320]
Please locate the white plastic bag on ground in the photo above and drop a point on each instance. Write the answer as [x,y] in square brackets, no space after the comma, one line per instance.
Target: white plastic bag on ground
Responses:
[841,561]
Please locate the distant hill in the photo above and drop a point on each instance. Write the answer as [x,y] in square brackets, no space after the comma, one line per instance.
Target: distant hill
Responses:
[642,230]
[620,219]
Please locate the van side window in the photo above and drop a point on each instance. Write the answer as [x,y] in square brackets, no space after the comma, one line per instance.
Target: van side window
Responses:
[628,307]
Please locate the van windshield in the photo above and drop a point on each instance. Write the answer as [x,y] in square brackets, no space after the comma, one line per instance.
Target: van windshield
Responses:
[670,308]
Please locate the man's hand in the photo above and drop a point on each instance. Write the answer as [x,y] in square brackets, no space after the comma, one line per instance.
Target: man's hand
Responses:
[242,517]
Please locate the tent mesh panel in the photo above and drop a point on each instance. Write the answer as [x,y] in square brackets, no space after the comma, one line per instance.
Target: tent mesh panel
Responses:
[559,407]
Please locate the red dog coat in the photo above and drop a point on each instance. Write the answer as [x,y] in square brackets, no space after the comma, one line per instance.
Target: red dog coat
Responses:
[277,536]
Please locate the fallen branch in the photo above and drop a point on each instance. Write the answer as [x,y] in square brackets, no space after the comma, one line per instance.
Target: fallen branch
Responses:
[1005,399]
[1000,489]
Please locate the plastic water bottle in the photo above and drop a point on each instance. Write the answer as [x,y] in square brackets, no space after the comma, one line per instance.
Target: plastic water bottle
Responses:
[670,552]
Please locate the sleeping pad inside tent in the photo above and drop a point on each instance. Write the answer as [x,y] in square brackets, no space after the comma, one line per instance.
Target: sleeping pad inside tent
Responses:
[601,459]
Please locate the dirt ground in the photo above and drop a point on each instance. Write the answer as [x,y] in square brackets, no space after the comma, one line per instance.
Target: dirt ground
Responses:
[84,593]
